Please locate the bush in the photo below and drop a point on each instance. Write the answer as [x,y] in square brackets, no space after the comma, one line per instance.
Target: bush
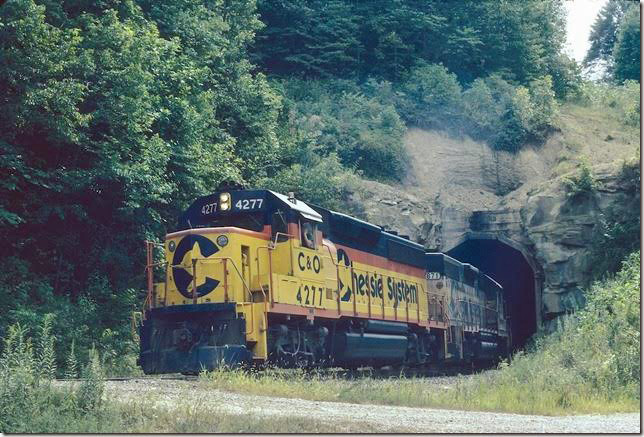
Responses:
[432,97]
[581,183]
[338,117]
[508,116]
[612,319]
[482,113]
[98,316]
[591,362]
[544,106]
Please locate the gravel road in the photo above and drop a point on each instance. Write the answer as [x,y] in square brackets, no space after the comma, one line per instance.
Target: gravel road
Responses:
[178,394]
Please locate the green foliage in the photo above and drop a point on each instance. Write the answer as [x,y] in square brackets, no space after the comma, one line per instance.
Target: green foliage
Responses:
[358,124]
[46,353]
[615,40]
[627,51]
[624,99]
[433,94]
[116,115]
[603,33]
[91,389]
[71,364]
[491,109]
[386,39]
[321,183]
[29,402]
[612,319]
[581,183]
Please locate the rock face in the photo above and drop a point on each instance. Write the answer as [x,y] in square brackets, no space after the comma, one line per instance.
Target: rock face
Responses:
[530,212]
[561,227]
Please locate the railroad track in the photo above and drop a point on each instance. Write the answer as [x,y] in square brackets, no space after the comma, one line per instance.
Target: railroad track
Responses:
[382,373]
[144,377]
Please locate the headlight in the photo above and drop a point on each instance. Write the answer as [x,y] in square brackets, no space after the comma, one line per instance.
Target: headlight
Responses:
[222,240]
[224,202]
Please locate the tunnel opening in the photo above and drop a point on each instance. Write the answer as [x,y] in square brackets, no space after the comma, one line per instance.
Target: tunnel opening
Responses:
[508,267]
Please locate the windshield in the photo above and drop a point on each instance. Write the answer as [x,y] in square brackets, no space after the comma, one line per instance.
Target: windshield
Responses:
[250,221]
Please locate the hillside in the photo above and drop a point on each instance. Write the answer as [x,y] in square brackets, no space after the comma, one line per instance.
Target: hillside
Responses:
[569,205]
[465,174]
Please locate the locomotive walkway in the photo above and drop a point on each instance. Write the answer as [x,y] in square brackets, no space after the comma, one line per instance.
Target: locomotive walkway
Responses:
[176,394]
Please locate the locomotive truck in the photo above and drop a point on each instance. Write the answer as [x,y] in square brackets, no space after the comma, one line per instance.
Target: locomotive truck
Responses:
[258,277]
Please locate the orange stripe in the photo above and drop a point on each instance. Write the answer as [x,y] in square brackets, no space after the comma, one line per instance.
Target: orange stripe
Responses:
[286,308]
[264,235]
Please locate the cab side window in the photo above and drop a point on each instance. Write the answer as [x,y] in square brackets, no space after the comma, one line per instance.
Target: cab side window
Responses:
[307,233]
[279,224]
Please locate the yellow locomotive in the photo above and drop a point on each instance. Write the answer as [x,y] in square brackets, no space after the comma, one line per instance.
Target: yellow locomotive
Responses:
[254,276]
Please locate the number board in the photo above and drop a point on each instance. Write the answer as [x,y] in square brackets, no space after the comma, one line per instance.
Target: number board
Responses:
[209,206]
[433,275]
[248,201]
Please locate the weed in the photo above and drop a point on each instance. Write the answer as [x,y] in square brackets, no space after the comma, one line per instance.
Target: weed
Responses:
[583,182]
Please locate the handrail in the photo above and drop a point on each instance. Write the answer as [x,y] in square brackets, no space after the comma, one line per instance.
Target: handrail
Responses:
[226,259]
[277,234]
[270,274]
[149,259]
[250,293]
[337,276]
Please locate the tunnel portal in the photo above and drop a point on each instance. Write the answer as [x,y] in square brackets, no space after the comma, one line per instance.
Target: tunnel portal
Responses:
[509,267]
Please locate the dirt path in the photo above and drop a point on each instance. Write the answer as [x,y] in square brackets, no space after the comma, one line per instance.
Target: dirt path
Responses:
[179,394]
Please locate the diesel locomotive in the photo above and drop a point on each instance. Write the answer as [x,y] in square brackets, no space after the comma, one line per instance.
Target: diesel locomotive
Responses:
[255,276]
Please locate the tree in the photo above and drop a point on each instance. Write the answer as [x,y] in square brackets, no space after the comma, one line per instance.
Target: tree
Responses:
[603,33]
[308,39]
[627,51]
[385,39]
[116,114]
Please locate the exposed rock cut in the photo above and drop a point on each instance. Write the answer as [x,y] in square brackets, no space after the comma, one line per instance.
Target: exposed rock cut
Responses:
[458,188]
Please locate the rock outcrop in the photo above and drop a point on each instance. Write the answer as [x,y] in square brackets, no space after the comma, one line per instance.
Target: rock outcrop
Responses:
[531,210]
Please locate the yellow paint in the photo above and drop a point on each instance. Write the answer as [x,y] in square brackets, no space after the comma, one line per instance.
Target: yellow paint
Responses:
[301,276]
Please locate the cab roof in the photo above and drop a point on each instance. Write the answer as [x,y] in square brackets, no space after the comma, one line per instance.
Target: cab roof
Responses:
[297,205]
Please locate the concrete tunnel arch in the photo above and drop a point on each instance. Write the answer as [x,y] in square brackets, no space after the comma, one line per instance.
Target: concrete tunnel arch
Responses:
[512,266]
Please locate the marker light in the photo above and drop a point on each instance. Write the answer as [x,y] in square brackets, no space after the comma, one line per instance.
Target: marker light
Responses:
[224,202]
[222,240]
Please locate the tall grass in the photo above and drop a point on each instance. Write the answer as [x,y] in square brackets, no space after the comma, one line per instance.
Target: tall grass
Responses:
[30,401]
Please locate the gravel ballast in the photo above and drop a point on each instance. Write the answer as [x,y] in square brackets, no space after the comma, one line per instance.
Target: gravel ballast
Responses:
[177,394]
